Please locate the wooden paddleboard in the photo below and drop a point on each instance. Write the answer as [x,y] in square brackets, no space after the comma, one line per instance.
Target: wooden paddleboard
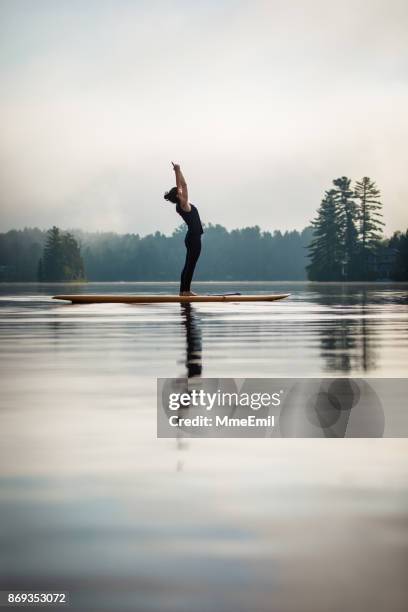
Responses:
[154,299]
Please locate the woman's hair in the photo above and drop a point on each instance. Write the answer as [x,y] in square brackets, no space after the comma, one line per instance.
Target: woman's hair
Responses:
[172,195]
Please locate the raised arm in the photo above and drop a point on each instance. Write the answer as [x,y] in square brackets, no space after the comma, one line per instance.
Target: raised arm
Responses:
[182,190]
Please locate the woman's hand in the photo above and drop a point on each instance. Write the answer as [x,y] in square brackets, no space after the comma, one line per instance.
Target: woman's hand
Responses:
[181,188]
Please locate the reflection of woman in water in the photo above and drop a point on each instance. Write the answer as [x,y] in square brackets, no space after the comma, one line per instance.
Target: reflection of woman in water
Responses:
[193,340]
[192,324]
[179,196]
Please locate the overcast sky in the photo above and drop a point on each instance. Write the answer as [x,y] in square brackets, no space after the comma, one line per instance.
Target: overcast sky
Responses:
[262,103]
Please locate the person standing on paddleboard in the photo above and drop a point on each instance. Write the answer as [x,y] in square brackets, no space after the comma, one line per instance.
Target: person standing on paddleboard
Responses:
[179,196]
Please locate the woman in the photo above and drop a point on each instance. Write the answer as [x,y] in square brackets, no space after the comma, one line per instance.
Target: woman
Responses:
[189,213]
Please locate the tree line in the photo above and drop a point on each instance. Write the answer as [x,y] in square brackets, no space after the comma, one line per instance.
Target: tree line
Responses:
[344,243]
[348,243]
[239,254]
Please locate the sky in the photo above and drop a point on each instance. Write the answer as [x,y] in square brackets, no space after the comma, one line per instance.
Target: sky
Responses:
[263,103]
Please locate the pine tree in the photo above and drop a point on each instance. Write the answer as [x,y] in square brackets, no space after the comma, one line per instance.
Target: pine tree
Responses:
[399,242]
[347,213]
[52,257]
[40,271]
[61,259]
[369,213]
[325,250]
[73,265]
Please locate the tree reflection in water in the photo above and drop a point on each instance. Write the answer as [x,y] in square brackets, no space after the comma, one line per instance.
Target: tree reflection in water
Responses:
[347,341]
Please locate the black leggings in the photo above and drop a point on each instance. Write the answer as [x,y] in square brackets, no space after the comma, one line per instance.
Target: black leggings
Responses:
[193,246]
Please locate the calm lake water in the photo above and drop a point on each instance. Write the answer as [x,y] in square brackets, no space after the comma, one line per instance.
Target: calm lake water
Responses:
[93,503]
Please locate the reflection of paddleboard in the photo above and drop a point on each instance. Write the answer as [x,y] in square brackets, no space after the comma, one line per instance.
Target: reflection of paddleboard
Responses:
[146,299]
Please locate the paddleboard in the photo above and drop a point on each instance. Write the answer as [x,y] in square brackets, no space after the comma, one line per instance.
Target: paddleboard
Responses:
[154,299]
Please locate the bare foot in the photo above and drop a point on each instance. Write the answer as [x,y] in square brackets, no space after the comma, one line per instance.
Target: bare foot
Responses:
[187,293]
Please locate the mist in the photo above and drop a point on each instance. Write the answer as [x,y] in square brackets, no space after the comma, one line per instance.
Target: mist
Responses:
[262,104]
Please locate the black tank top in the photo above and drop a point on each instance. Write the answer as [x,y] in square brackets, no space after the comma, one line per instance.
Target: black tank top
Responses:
[192,219]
